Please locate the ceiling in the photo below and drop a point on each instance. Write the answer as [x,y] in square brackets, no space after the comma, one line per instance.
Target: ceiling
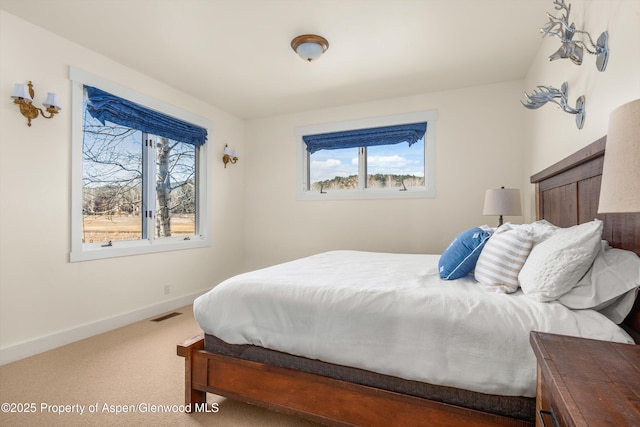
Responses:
[236,54]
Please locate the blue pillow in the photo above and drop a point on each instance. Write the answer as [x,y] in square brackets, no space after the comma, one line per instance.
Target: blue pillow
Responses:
[460,258]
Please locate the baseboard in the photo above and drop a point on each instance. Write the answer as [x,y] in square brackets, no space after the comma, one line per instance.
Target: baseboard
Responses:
[38,345]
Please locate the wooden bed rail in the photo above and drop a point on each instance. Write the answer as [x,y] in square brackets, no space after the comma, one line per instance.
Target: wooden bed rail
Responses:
[314,397]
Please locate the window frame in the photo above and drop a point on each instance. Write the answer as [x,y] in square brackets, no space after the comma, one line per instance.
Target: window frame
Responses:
[303,159]
[81,251]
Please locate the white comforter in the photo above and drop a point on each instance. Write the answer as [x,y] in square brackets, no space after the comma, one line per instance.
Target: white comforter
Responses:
[391,313]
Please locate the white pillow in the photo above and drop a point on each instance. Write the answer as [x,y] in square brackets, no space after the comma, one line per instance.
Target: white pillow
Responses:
[542,230]
[617,309]
[502,258]
[555,265]
[614,272]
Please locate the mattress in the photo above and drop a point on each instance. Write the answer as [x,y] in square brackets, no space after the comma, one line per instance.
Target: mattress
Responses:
[510,406]
[391,314]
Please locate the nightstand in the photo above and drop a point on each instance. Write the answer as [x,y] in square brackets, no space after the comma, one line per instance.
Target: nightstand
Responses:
[583,382]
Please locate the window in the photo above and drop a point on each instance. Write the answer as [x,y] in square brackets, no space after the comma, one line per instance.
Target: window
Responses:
[139,173]
[389,157]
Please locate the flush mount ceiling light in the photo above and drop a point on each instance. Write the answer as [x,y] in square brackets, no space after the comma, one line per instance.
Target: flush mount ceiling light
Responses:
[309,46]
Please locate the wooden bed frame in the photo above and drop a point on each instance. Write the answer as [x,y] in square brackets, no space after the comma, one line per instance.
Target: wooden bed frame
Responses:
[566,194]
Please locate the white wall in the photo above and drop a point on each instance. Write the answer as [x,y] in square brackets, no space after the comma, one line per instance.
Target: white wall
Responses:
[479,144]
[46,301]
[552,134]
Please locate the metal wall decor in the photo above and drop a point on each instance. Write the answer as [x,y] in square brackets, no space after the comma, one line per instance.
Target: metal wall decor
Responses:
[543,94]
[574,49]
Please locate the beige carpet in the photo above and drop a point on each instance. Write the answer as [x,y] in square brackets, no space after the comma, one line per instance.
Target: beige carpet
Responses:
[131,367]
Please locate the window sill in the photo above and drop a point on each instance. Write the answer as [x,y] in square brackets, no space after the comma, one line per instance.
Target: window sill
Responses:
[93,251]
[366,195]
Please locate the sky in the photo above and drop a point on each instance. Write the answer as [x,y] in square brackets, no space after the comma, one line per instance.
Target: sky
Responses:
[398,159]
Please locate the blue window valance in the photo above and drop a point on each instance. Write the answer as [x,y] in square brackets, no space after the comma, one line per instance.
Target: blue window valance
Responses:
[104,106]
[385,135]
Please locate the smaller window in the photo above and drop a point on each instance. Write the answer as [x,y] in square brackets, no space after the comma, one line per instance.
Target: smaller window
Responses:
[390,157]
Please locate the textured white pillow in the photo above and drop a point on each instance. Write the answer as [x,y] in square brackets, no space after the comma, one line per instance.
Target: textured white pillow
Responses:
[542,230]
[555,265]
[502,258]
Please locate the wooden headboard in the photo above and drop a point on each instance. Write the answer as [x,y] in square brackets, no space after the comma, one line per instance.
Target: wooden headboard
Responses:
[567,194]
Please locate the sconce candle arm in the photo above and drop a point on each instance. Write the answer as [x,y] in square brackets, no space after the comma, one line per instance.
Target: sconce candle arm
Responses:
[51,110]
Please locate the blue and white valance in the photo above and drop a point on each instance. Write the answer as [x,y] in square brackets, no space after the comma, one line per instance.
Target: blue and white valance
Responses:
[104,106]
[386,135]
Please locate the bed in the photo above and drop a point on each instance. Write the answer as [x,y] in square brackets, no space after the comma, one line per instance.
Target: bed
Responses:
[333,393]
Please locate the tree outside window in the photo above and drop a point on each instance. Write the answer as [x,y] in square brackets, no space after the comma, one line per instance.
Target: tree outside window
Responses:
[135,185]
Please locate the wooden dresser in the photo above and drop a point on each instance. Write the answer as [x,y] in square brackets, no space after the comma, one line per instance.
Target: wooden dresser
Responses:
[583,382]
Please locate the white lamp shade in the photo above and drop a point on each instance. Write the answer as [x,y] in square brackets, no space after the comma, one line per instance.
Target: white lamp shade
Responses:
[227,151]
[310,51]
[21,91]
[620,186]
[502,201]
[235,153]
[52,101]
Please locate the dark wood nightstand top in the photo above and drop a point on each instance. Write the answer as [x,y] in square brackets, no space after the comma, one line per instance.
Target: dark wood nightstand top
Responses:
[591,383]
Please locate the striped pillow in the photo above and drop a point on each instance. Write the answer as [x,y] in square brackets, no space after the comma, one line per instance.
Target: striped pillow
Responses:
[502,258]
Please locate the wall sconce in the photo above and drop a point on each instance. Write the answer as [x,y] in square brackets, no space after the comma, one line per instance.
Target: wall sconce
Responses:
[502,201]
[229,156]
[573,49]
[309,46]
[23,97]
[544,94]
